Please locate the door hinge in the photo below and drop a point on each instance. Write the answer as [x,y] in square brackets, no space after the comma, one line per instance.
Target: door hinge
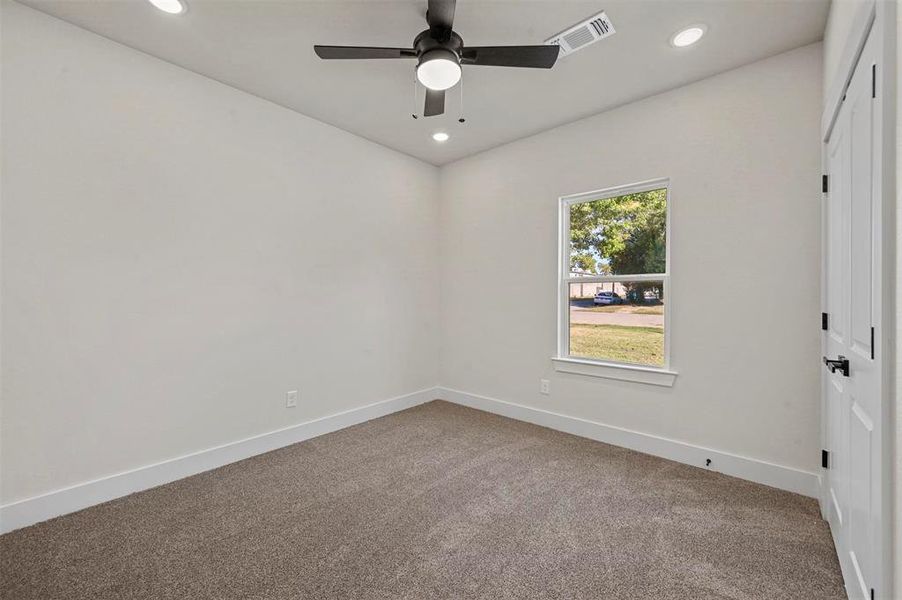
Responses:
[824,321]
[872,343]
[824,186]
[825,458]
[873,81]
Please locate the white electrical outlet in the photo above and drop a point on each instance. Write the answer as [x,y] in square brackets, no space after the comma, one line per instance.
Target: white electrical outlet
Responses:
[545,386]
[291,399]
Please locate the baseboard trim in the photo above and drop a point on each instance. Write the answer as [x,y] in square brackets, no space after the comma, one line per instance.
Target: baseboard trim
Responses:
[67,500]
[77,497]
[778,476]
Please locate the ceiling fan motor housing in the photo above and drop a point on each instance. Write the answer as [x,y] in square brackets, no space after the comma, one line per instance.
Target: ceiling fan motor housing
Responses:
[425,43]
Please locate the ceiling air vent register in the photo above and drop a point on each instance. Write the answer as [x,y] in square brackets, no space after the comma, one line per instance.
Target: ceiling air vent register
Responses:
[583,34]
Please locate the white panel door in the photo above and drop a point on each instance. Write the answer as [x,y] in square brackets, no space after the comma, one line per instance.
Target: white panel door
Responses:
[851,370]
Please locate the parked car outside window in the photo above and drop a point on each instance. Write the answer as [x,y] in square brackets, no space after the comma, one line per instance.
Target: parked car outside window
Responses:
[607,298]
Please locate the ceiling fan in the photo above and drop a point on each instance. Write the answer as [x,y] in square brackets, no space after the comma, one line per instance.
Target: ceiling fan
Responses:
[440,52]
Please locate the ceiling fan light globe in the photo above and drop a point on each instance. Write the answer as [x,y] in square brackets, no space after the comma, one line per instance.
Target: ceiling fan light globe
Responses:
[438,70]
[173,7]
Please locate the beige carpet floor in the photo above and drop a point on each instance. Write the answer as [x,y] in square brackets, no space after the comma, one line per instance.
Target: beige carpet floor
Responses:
[438,501]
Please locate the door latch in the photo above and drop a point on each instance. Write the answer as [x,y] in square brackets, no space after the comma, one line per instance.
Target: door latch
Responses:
[840,362]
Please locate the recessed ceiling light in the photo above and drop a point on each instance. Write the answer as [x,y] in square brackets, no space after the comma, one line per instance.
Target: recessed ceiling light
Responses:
[440,136]
[688,36]
[173,7]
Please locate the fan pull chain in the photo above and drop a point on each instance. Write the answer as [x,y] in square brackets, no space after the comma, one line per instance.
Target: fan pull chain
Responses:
[461,119]
[414,113]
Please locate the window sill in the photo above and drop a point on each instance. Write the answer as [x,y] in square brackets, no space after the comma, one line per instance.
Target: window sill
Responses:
[634,373]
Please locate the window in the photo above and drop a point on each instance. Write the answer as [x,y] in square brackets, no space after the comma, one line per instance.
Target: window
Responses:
[614,281]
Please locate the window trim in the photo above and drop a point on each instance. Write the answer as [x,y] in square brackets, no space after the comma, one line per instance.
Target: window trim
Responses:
[563,361]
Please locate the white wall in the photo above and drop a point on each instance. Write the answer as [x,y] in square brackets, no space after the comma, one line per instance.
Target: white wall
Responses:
[743,156]
[167,274]
[170,251]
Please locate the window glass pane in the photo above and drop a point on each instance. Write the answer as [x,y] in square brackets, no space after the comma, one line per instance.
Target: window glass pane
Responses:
[622,322]
[624,235]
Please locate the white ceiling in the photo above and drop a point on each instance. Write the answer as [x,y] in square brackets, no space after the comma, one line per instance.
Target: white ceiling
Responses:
[265,47]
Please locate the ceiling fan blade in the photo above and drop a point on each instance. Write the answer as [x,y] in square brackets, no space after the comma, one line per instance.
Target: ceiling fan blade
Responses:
[440,14]
[435,103]
[343,52]
[534,57]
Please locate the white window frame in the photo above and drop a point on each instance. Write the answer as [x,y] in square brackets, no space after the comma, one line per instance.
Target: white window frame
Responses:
[611,369]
